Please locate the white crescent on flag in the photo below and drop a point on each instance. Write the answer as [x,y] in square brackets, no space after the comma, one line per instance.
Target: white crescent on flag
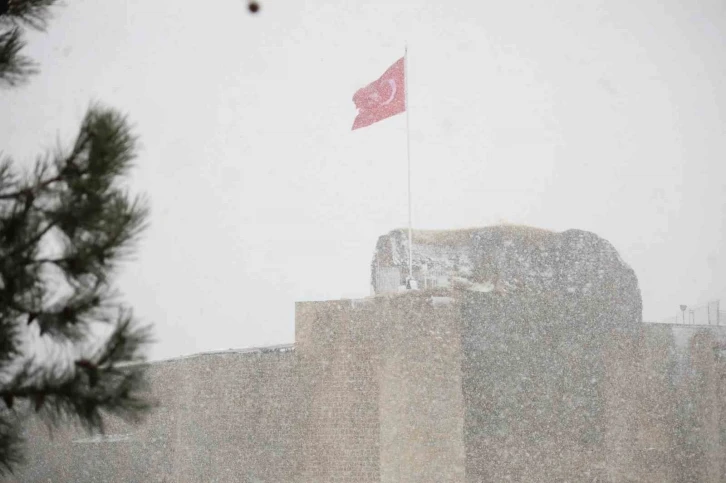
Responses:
[374,103]
[392,83]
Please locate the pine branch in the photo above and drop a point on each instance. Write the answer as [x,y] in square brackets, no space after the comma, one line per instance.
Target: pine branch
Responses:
[33,241]
[15,14]
[31,13]
[75,204]
[8,179]
[72,205]
[112,382]
[122,346]
[30,191]
[69,319]
[85,398]
[14,67]
[11,443]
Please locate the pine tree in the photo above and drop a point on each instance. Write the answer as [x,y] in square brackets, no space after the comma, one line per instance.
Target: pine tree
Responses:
[70,352]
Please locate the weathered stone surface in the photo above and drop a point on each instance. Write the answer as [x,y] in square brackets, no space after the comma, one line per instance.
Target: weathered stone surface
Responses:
[228,417]
[531,382]
[565,298]
[419,388]
[516,259]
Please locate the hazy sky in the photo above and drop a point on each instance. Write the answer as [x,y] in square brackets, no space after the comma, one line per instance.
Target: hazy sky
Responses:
[602,116]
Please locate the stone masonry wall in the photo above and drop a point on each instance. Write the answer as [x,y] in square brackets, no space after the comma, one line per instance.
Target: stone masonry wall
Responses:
[555,398]
[385,394]
[420,387]
[337,366]
[222,417]
[421,403]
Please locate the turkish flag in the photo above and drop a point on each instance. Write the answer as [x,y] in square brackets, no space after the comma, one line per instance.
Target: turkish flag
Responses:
[381,98]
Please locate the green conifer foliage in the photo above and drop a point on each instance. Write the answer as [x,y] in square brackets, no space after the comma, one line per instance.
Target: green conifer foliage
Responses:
[64,227]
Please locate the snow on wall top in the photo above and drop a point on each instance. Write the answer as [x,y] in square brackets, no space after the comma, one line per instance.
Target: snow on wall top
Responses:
[503,259]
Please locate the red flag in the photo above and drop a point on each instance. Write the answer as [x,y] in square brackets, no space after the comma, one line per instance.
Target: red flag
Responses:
[382,98]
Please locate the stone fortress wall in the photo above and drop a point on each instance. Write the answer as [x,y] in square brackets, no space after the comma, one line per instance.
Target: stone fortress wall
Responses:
[463,384]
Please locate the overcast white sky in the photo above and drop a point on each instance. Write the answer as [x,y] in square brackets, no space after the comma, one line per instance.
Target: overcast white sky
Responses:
[602,116]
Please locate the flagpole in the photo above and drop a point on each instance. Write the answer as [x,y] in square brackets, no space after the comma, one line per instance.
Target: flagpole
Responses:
[408,152]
